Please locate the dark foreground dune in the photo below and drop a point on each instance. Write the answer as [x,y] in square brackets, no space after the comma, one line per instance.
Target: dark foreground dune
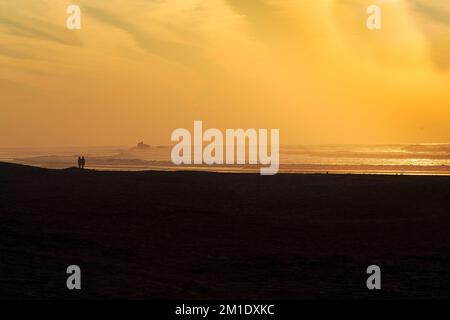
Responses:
[203,235]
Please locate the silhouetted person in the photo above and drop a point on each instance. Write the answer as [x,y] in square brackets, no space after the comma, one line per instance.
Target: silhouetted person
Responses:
[79,162]
[83,162]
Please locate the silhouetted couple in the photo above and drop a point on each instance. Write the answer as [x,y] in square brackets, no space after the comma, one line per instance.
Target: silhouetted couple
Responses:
[81,162]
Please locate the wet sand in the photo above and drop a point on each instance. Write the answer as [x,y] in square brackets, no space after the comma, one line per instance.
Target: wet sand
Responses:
[193,235]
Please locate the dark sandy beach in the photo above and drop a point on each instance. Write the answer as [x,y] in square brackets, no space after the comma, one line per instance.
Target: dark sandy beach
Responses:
[218,236]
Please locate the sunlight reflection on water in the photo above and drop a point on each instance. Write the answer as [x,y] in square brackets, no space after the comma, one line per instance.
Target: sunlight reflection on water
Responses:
[415,159]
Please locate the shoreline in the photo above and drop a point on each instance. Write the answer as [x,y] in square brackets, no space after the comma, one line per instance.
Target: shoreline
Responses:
[282,170]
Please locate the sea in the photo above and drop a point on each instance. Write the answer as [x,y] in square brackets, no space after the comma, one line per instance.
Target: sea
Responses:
[397,159]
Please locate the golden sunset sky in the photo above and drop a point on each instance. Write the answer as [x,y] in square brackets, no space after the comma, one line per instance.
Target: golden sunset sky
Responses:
[138,69]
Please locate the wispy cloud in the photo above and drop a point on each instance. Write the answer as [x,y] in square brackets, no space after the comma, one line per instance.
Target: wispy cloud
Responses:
[174,51]
[437,10]
[16,53]
[433,16]
[267,20]
[32,27]
[7,85]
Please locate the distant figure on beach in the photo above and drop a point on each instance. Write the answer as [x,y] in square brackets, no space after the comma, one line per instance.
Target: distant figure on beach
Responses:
[81,162]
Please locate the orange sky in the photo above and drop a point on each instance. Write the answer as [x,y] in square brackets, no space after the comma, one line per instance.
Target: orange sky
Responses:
[138,69]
